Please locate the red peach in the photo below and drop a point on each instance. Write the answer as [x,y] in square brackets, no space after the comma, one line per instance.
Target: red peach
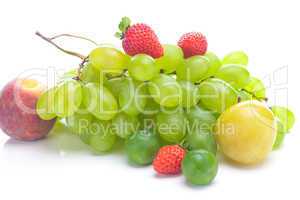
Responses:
[18,117]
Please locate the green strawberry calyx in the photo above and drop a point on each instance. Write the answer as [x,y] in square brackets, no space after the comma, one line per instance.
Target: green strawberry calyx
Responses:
[123,26]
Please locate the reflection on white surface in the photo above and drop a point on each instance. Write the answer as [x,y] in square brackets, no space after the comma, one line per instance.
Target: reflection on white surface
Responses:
[60,143]
[62,164]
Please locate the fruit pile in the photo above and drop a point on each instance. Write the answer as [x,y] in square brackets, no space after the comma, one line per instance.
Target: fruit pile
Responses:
[173,106]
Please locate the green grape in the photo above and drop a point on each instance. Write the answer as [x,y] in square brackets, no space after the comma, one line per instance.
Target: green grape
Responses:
[280,135]
[108,60]
[244,95]
[79,122]
[67,100]
[99,101]
[217,95]
[68,75]
[147,121]
[172,58]
[236,75]
[200,119]
[101,136]
[125,125]
[85,137]
[171,125]
[115,85]
[45,105]
[132,97]
[217,115]
[190,94]
[199,167]
[165,91]
[256,87]
[91,74]
[278,141]
[151,107]
[197,140]
[214,64]
[142,67]
[236,57]
[194,69]
[142,147]
[147,117]
[285,116]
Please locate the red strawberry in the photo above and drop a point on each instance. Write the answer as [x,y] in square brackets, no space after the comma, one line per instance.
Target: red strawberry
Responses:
[193,43]
[138,39]
[168,159]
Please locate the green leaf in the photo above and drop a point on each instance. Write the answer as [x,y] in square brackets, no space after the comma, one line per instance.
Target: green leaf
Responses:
[285,116]
[118,35]
[124,24]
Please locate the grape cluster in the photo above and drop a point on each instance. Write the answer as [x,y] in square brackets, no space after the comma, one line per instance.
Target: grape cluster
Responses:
[150,102]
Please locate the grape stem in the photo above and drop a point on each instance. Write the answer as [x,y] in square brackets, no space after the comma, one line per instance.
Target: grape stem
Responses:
[59,47]
[163,71]
[74,36]
[109,77]
[239,99]
[81,66]
[198,83]
[259,98]
[183,144]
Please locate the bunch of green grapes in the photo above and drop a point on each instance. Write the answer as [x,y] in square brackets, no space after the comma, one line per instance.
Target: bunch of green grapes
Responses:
[148,102]
[87,99]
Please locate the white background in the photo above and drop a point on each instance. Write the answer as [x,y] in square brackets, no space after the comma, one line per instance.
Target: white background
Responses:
[60,167]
